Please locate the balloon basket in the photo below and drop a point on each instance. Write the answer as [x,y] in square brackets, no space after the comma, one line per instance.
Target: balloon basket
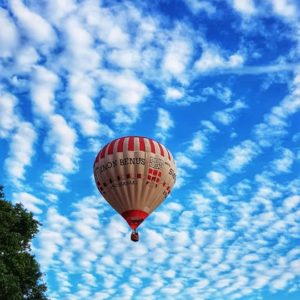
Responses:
[134,236]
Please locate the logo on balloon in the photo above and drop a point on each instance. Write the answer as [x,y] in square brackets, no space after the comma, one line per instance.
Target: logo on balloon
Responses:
[156,163]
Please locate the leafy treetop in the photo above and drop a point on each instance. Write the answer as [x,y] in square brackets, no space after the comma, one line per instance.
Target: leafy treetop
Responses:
[20,276]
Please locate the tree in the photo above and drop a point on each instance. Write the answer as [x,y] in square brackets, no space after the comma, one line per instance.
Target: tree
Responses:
[20,275]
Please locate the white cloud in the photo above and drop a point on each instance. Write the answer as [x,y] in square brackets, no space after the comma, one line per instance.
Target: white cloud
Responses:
[222,283]
[81,54]
[239,156]
[186,220]
[202,283]
[115,36]
[173,94]
[51,237]
[295,266]
[200,237]
[181,175]
[263,69]
[194,148]
[219,91]
[218,260]
[27,59]
[105,25]
[245,7]
[164,124]
[223,117]
[197,6]
[228,115]
[182,96]
[170,274]
[43,87]
[21,151]
[177,56]
[125,92]
[281,282]
[82,89]
[261,281]
[212,190]
[209,126]
[216,177]
[201,204]
[285,8]
[153,238]
[172,289]
[184,161]
[55,181]
[89,279]
[161,218]
[9,38]
[29,201]
[60,142]
[284,163]
[65,285]
[125,58]
[234,60]
[266,134]
[275,124]
[198,143]
[126,292]
[211,59]
[130,90]
[57,10]
[291,202]
[35,26]
[87,219]
[52,198]
[243,225]
[8,114]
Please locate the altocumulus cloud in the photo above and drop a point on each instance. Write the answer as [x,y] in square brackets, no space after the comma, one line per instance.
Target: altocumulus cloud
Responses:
[75,75]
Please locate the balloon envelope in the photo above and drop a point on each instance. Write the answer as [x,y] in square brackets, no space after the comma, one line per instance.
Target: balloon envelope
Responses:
[134,174]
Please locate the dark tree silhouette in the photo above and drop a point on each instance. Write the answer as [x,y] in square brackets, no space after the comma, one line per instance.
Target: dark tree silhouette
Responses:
[20,275]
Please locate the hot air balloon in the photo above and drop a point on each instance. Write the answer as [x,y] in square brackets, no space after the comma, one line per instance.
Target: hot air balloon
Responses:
[134,174]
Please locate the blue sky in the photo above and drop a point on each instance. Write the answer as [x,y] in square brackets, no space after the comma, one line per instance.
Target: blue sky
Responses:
[217,82]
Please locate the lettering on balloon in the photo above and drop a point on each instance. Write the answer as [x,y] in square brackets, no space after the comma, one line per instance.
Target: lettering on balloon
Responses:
[132,161]
[172,173]
[123,183]
[107,165]
[121,162]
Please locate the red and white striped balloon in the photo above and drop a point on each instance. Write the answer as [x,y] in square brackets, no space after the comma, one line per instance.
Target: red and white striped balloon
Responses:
[134,174]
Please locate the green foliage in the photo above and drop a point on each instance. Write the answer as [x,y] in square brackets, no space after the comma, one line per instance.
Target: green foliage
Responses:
[20,276]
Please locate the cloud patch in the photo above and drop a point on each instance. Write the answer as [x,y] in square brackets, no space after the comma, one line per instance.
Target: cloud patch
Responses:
[241,155]
[164,124]
[60,143]
[9,38]
[21,151]
[34,26]
[8,114]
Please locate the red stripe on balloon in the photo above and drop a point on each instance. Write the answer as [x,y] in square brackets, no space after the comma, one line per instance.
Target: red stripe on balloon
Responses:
[169,155]
[103,151]
[131,143]
[97,158]
[111,147]
[142,144]
[120,144]
[161,149]
[152,146]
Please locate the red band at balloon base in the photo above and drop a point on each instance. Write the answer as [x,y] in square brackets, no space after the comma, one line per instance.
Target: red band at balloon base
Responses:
[134,217]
